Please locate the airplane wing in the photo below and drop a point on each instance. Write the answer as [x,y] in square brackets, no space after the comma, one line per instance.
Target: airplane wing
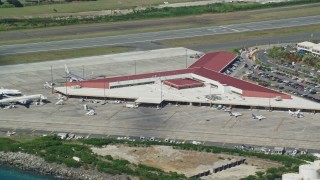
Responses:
[25,102]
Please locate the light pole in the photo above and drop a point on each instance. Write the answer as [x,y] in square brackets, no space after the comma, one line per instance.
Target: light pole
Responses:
[83,71]
[51,81]
[160,93]
[135,67]
[66,85]
[104,88]
[269,102]
[186,58]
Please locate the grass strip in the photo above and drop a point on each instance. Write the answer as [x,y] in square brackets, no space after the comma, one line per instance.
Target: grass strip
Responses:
[203,40]
[219,19]
[57,55]
[149,13]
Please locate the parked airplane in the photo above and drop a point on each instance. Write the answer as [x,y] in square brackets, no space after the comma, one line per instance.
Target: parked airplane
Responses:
[296,114]
[259,117]
[235,114]
[11,133]
[73,77]
[90,113]
[48,85]
[130,105]
[60,102]
[10,106]
[24,100]
[9,92]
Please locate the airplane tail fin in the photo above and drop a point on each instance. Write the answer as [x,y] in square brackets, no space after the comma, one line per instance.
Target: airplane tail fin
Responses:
[253,116]
[66,69]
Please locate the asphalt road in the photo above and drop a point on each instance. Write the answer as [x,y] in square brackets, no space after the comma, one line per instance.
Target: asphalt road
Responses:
[155,36]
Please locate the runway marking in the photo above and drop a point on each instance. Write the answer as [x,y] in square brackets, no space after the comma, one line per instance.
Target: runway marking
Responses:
[278,126]
[170,117]
[236,121]
[229,28]
[194,119]
[115,114]
[224,126]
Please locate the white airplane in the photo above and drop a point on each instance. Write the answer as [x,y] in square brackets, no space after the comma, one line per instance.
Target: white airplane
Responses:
[259,117]
[24,100]
[9,92]
[10,106]
[61,97]
[11,133]
[60,102]
[90,113]
[235,114]
[48,85]
[73,77]
[296,114]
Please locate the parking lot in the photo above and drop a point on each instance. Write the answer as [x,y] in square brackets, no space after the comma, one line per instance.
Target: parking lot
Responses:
[286,83]
[299,85]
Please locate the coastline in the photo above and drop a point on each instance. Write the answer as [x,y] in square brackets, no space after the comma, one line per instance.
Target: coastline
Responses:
[37,164]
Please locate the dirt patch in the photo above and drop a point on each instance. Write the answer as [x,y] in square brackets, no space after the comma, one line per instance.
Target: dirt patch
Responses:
[181,161]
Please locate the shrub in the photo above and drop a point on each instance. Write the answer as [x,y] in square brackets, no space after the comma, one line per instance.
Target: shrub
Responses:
[16,3]
[71,163]
[109,157]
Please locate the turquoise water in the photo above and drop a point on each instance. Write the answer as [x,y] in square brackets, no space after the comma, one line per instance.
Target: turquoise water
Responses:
[7,173]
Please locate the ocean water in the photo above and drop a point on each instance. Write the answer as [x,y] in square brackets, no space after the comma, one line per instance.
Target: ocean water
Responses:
[7,173]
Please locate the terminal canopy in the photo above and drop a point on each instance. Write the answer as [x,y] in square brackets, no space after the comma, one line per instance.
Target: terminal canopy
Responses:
[149,100]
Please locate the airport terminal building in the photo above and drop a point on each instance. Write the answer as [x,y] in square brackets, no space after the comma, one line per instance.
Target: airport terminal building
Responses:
[203,82]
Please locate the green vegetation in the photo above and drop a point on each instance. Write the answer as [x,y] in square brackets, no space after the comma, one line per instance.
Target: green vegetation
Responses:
[220,19]
[11,23]
[53,149]
[239,36]
[47,7]
[291,164]
[55,55]
[15,3]
[280,54]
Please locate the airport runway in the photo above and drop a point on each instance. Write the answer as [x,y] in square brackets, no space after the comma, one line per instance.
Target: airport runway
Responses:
[156,36]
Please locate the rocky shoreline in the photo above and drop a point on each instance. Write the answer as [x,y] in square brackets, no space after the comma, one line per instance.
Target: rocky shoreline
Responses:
[34,163]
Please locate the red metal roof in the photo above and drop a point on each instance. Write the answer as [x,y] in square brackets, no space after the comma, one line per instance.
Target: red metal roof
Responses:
[208,66]
[234,82]
[183,83]
[137,76]
[216,61]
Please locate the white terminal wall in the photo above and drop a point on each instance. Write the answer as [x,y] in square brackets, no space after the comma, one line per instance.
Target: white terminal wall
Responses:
[221,87]
[146,80]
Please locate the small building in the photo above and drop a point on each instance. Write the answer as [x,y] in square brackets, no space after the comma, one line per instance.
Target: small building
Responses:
[316,50]
[306,46]
[309,47]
